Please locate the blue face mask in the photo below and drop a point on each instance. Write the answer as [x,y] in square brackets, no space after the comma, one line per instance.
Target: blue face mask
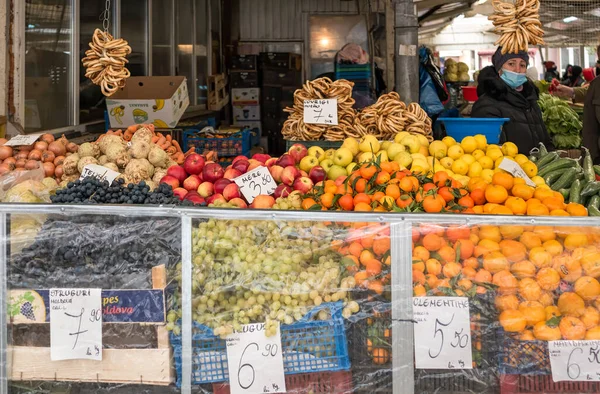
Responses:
[512,79]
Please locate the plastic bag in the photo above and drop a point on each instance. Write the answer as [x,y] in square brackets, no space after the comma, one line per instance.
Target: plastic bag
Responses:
[428,96]
[426,61]
[24,186]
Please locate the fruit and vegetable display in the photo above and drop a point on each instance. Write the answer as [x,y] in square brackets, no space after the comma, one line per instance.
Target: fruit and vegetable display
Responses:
[456,71]
[518,24]
[562,122]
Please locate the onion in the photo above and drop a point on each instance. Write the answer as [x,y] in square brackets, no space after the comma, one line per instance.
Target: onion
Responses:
[58,171]
[3,141]
[4,169]
[47,138]
[20,163]
[48,157]
[40,145]
[48,169]
[21,155]
[5,152]
[72,147]
[32,164]
[35,155]
[58,160]
[10,162]
[57,148]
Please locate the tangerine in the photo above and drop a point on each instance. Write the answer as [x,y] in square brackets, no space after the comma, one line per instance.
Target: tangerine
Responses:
[571,328]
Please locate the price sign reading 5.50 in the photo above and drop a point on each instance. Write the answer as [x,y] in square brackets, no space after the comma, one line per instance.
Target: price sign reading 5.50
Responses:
[255,361]
[575,360]
[442,333]
[75,324]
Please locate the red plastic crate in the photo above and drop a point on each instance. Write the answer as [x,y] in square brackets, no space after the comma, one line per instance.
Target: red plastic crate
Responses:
[470,93]
[317,383]
[543,384]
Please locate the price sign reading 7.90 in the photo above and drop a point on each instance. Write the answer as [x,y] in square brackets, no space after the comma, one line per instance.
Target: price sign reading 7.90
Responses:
[442,333]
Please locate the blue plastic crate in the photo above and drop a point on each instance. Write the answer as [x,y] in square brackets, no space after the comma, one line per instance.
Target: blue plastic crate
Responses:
[516,357]
[231,146]
[298,340]
[459,128]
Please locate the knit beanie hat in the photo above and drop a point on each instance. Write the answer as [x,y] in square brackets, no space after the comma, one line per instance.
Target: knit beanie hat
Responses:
[498,59]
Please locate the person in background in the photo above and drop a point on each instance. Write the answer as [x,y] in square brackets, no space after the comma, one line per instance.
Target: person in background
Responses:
[576,78]
[566,78]
[505,92]
[577,94]
[591,120]
[551,71]
[533,74]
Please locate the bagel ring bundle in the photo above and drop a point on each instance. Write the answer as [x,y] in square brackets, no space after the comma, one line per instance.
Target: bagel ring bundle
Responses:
[105,62]
[517,24]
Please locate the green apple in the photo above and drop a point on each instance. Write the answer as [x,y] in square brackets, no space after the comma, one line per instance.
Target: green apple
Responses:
[342,157]
[382,156]
[411,143]
[400,136]
[366,157]
[329,154]
[351,167]
[352,144]
[393,149]
[316,151]
[385,145]
[308,162]
[422,140]
[369,143]
[327,164]
[335,172]
[404,159]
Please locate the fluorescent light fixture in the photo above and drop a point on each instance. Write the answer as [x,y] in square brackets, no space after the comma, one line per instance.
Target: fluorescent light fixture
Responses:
[570,19]
[480,2]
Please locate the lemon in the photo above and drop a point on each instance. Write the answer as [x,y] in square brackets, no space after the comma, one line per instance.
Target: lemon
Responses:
[460,167]
[455,152]
[521,159]
[494,153]
[469,144]
[510,149]
[420,163]
[464,180]
[475,170]
[449,141]
[478,154]
[481,141]
[438,149]
[486,163]
[538,180]
[447,162]
[530,169]
[487,175]
[468,159]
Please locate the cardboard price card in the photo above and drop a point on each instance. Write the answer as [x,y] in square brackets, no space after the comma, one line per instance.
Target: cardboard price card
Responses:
[321,112]
[442,333]
[255,183]
[515,169]
[575,360]
[19,140]
[75,324]
[100,172]
[255,361]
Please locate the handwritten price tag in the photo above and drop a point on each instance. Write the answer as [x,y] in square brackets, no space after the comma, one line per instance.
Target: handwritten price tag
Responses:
[516,170]
[255,183]
[442,333]
[255,361]
[321,112]
[575,360]
[75,324]
[100,172]
[19,140]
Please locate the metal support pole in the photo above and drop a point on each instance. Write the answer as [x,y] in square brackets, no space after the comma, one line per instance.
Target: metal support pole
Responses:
[186,304]
[149,44]
[4,367]
[406,51]
[75,62]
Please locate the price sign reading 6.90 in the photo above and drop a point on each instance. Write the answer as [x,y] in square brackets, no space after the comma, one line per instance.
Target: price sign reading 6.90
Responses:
[255,361]
[442,333]
[575,360]
[255,183]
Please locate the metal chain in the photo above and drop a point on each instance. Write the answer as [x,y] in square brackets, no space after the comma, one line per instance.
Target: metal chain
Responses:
[105,16]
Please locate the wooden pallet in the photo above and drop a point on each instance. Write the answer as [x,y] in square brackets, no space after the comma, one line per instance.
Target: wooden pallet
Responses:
[217,92]
[133,366]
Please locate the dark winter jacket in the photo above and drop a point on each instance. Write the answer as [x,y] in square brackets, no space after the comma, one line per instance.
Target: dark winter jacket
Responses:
[591,120]
[497,100]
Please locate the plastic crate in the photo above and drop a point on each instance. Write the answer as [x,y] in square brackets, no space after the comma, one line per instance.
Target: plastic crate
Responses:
[470,93]
[298,340]
[233,145]
[528,384]
[323,144]
[199,124]
[518,357]
[314,383]
[459,128]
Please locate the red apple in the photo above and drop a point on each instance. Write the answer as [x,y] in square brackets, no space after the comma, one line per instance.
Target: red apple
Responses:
[282,191]
[286,160]
[271,162]
[231,191]
[303,173]
[238,158]
[180,192]
[196,199]
[220,185]
[303,184]
[178,173]
[171,181]
[317,174]
[231,173]
[239,202]
[192,182]
[262,157]
[206,189]
[212,172]
[289,175]
[262,202]
[241,165]
[276,172]
[215,197]
[298,152]
[194,164]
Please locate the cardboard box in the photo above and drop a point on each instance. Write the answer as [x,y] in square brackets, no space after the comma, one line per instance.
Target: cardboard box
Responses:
[246,112]
[247,79]
[157,100]
[245,96]
[243,62]
[281,60]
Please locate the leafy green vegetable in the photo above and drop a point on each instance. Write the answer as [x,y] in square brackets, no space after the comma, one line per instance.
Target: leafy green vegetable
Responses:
[562,122]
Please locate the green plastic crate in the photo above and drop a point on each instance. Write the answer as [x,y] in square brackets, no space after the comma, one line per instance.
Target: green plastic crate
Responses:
[323,144]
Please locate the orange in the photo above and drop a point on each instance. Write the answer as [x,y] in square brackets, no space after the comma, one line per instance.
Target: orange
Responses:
[553,247]
[552,311]
[503,179]
[523,269]
[575,209]
[506,282]
[517,205]
[464,284]
[571,304]
[495,262]
[491,233]
[543,332]
[307,203]
[373,268]
[330,186]
[540,257]
[418,265]
[362,207]
[382,244]
[362,197]
[530,240]
[501,210]
[386,166]
[512,321]
[546,233]
[368,170]
[507,302]
[466,202]
[440,178]
[537,210]
[489,207]
[471,262]
[327,199]
[576,240]
[477,184]
[418,291]
[360,185]
[559,212]
[420,253]
[548,278]
[432,242]
[469,272]
[392,191]
[529,289]
[590,317]
[483,276]
[542,193]
[433,204]
[451,270]
[466,247]
[478,196]
[382,178]
[380,356]
[593,334]
[365,257]
[572,328]
[446,193]
[523,191]
[433,266]
[376,286]
[431,281]
[404,201]
[553,203]
[534,312]
[355,248]
[513,250]
[409,184]
[568,268]
[377,196]
[587,288]
[546,298]
[496,194]
[527,335]
[454,233]
[447,254]
[361,278]
[346,202]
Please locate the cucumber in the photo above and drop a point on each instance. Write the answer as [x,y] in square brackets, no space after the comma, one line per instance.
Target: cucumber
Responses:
[552,177]
[565,193]
[597,169]
[543,150]
[575,193]
[547,159]
[588,166]
[532,159]
[558,165]
[593,211]
[565,180]
[594,202]
[590,189]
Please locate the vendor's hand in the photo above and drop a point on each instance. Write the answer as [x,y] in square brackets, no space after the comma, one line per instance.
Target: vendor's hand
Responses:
[563,91]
